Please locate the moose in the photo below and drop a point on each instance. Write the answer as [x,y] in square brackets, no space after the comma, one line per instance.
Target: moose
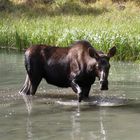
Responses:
[76,66]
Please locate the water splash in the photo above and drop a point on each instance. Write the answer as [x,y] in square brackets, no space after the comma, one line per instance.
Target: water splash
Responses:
[100,100]
[28,102]
[28,99]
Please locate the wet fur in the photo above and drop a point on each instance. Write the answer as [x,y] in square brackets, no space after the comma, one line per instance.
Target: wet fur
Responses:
[73,66]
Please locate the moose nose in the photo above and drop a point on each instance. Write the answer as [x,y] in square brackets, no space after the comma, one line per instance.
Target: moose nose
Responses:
[104,85]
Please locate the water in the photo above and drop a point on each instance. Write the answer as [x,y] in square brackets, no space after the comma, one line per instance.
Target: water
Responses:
[41,118]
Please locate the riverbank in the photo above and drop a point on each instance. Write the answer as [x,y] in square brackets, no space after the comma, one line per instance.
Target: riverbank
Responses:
[103,24]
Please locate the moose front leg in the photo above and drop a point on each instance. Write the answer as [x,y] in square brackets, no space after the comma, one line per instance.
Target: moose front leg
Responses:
[77,89]
[85,91]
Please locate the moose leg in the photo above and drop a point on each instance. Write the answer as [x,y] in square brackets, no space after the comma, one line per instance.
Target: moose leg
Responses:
[85,91]
[34,82]
[30,85]
[26,87]
[77,89]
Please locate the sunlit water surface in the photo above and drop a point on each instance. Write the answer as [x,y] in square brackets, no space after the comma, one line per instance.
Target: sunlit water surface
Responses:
[40,118]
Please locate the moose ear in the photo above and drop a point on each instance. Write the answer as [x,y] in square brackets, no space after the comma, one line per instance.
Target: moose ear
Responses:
[112,52]
[93,53]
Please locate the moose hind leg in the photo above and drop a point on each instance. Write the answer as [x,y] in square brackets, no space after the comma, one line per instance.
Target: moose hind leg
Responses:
[26,87]
[34,84]
[30,85]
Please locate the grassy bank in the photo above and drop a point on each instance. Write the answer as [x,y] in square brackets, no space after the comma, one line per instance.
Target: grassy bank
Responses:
[60,23]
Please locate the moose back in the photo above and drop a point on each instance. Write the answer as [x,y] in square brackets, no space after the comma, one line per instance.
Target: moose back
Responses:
[76,67]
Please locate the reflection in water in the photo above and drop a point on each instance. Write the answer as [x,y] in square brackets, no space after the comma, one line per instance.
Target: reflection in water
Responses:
[102,127]
[76,128]
[77,133]
[28,102]
[29,128]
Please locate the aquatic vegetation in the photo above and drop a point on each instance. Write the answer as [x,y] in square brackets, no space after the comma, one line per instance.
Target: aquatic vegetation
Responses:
[100,23]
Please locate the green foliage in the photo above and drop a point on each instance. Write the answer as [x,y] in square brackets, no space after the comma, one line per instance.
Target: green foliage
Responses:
[64,22]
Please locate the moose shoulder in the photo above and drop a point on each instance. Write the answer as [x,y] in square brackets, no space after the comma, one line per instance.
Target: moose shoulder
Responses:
[76,67]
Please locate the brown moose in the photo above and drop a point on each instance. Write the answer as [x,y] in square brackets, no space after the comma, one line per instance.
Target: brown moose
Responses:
[76,67]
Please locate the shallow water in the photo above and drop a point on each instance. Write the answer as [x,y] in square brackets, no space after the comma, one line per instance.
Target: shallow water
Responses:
[42,119]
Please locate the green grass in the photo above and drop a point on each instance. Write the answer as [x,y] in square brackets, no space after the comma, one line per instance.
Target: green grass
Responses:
[102,23]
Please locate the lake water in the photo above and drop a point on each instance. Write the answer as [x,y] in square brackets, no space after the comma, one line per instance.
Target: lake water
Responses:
[41,118]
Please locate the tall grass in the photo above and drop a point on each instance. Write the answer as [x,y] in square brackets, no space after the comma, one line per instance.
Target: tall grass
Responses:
[103,25]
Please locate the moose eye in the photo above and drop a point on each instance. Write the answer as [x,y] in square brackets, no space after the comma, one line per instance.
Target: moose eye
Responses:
[103,62]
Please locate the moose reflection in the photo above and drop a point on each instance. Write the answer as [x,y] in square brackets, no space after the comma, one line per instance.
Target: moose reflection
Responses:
[76,67]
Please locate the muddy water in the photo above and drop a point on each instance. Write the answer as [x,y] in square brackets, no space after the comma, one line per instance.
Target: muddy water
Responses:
[41,118]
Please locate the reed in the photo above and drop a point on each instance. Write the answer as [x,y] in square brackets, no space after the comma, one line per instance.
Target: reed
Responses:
[62,23]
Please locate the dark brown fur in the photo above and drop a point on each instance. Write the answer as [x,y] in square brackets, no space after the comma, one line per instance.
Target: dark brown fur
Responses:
[76,66]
